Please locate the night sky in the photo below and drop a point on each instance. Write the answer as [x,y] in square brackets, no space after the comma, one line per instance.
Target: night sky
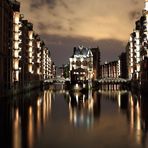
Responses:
[64,24]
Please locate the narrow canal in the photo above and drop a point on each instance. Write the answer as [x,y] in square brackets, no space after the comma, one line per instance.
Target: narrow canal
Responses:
[60,119]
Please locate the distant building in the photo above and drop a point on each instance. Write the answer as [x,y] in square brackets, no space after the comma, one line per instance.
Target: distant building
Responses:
[81,64]
[45,64]
[122,63]
[53,70]
[96,63]
[110,70]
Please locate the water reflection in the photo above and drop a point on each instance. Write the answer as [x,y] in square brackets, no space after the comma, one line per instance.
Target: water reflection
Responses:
[25,119]
[137,114]
[83,108]
[28,115]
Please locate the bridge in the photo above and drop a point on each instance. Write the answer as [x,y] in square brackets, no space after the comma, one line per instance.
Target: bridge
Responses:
[57,80]
[112,80]
[108,80]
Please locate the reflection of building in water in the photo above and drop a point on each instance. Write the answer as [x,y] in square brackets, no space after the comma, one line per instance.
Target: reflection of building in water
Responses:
[112,87]
[135,118]
[83,108]
[16,130]
[138,118]
[28,115]
[123,100]
[144,118]
[120,97]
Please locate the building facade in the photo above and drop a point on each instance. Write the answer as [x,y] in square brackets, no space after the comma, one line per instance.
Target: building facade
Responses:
[96,63]
[110,70]
[24,58]
[81,64]
[137,49]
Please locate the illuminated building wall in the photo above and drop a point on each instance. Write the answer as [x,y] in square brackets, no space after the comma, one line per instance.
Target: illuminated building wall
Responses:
[81,64]
[96,62]
[30,50]
[53,70]
[46,64]
[36,64]
[38,57]
[24,60]
[20,49]
[110,70]
[122,66]
[137,50]
[16,41]
[31,54]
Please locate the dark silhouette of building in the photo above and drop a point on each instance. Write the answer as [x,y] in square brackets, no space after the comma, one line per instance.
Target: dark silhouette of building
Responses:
[96,62]
[123,65]
[6,27]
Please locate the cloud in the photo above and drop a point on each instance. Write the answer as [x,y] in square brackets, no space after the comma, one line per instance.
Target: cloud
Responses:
[133,15]
[97,19]
[67,23]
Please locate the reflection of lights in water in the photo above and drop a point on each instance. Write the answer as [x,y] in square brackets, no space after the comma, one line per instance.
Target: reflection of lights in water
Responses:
[90,94]
[119,99]
[38,116]
[30,111]
[39,101]
[76,86]
[83,98]
[90,104]
[138,128]
[81,115]
[43,109]
[30,127]
[131,101]
[135,120]
[77,98]
[44,106]
[17,130]
[70,112]
[75,116]
[131,115]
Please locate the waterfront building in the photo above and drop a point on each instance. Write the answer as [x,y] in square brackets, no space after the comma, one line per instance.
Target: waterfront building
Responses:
[96,63]
[24,60]
[81,64]
[137,49]
[53,70]
[6,27]
[110,70]
[45,63]
[17,40]
[122,63]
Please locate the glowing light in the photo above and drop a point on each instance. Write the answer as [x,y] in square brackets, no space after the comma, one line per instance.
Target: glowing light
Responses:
[16,45]
[30,34]
[30,43]
[119,99]
[15,64]
[16,16]
[30,68]
[16,53]
[146,5]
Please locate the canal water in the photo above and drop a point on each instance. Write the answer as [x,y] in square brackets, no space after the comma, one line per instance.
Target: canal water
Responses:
[62,119]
